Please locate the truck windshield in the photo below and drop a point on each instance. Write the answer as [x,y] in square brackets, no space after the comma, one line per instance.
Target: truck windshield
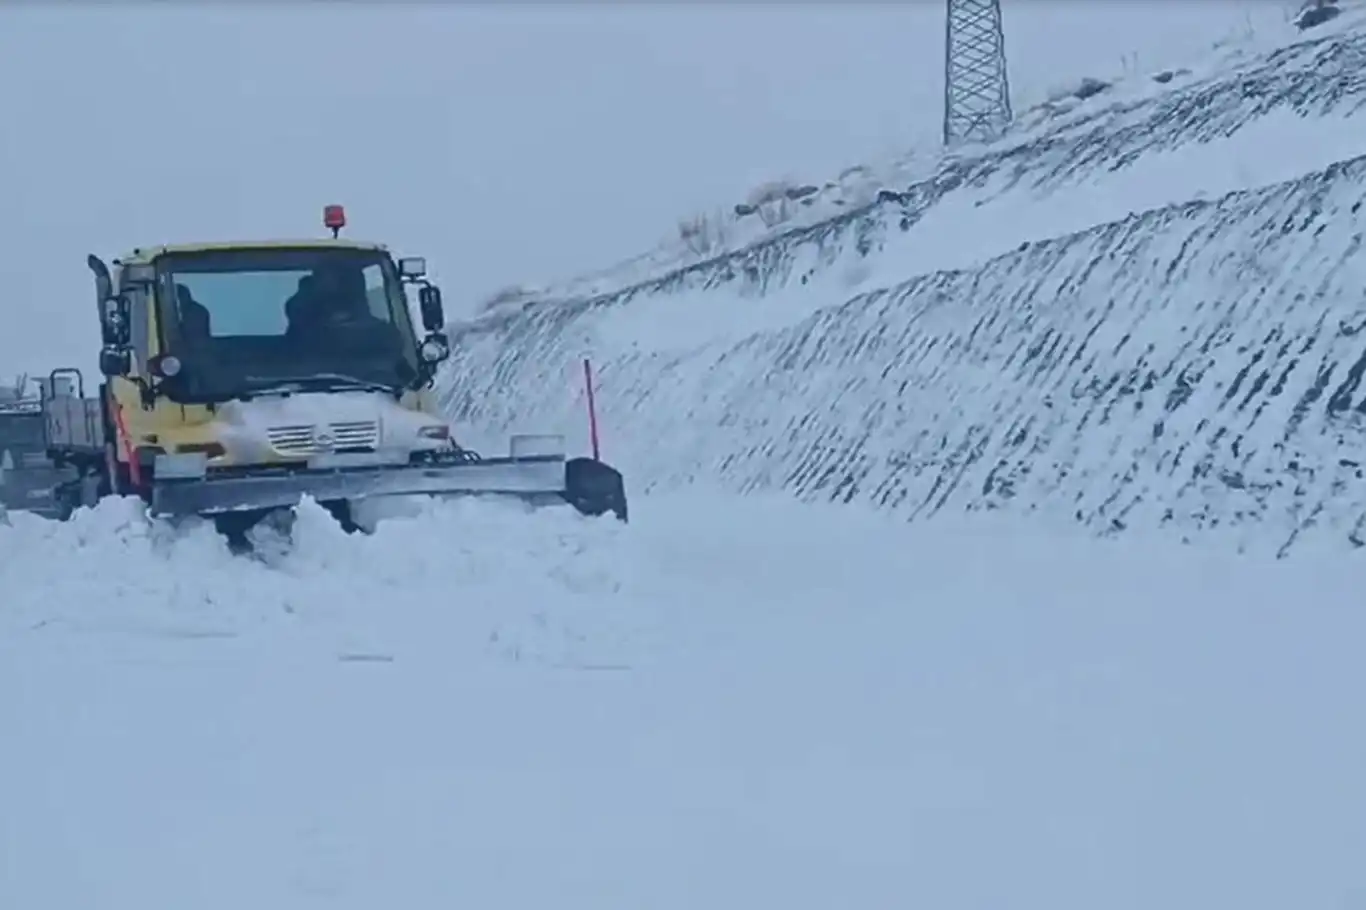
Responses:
[248,319]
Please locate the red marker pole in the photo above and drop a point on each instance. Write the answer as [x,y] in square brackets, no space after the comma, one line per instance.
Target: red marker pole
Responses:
[592,408]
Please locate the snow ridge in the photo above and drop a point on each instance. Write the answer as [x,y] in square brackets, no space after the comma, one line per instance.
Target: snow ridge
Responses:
[1194,367]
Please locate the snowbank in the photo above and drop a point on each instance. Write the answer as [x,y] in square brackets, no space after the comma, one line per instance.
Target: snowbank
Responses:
[1140,316]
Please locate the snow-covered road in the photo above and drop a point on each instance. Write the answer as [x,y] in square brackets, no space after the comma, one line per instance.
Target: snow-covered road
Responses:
[728,703]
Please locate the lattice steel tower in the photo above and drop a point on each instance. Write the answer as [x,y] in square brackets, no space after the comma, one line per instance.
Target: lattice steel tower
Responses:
[976,90]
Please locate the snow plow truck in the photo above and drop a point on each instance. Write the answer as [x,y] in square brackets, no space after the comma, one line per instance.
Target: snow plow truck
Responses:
[239,378]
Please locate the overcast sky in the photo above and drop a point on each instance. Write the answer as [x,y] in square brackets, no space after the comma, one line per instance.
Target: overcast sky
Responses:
[511,143]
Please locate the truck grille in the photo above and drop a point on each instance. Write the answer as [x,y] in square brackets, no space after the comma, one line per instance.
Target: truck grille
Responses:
[348,436]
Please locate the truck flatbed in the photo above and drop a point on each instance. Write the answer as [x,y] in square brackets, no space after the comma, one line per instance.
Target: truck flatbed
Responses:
[73,424]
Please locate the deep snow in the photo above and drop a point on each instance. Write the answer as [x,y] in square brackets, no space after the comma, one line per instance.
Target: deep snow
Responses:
[731,703]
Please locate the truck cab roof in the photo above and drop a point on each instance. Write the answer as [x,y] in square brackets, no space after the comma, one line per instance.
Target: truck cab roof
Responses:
[146,254]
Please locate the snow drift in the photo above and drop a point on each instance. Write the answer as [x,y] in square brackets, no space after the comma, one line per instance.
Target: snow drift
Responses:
[1142,313]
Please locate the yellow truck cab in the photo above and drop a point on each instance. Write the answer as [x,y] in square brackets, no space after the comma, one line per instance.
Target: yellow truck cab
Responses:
[240,377]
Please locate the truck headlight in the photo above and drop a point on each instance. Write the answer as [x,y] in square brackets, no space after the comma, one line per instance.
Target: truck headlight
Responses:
[435,431]
[433,350]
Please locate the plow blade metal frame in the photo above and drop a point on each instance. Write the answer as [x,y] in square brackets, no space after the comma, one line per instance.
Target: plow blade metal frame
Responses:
[186,488]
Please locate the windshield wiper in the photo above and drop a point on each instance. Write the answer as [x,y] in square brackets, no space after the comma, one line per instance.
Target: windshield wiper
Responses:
[326,382]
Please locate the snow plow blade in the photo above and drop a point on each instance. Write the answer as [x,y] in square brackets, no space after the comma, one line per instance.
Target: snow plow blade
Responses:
[591,487]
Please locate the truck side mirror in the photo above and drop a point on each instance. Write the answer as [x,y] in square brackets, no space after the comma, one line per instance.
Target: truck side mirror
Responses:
[115,362]
[433,316]
[114,328]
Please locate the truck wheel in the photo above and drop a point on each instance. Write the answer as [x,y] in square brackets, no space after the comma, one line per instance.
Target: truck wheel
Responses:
[234,526]
[340,509]
[66,499]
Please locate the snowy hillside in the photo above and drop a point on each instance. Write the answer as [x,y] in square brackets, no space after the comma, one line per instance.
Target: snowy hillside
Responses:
[1143,313]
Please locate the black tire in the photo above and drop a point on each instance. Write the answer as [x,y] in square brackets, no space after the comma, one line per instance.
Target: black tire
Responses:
[66,499]
[234,526]
[340,509]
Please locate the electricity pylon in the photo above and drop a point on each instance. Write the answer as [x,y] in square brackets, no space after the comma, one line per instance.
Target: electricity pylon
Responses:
[976,89]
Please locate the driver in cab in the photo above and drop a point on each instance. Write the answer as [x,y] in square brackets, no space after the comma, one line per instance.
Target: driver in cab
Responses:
[330,309]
